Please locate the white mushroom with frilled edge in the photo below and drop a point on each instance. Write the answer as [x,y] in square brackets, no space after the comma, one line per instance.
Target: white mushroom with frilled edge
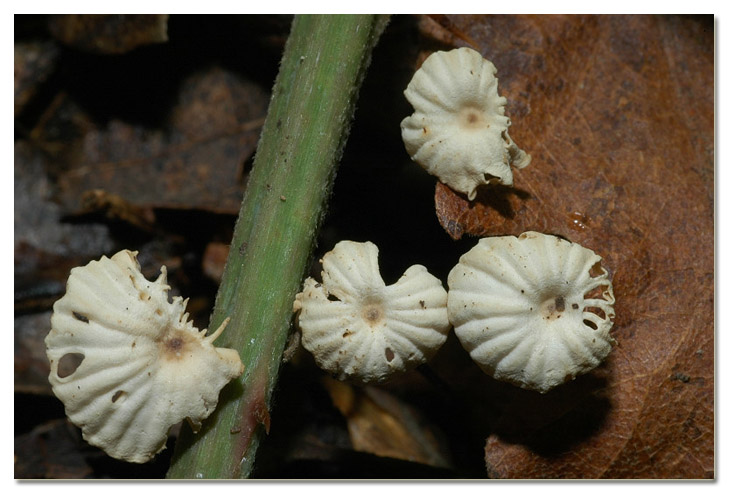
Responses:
[143,366]
[533,310]
[359,329]
[459,131]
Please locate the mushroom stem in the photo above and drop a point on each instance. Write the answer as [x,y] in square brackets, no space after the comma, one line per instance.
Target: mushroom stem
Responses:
[311,107]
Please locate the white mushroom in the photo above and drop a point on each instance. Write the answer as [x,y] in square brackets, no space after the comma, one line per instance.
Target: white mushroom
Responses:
[358,328]
[533,310]
[459,131]
[127,363]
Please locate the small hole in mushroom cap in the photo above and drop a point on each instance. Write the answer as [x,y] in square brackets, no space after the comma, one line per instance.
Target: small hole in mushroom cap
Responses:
[489,178]
[119,396]
[80,317]
[389,355]
[332,297]
[589,323]
[596,311]
[68,364]
[596,270]
[596,293]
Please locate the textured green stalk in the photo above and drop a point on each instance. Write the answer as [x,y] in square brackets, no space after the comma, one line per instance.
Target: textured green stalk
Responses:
[312,104]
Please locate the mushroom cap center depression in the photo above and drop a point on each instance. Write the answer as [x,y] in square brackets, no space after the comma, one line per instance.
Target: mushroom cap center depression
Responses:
[553,308]
[472,118]
[372,313]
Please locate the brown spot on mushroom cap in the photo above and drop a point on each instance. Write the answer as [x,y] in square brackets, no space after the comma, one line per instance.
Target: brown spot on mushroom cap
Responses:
[177,345]
[373,313]
[471,118]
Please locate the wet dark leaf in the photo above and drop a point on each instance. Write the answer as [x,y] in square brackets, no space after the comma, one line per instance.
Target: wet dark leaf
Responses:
[31,364]
[51,451]
[108,33]
[196,163]
[34,62]
[45,247]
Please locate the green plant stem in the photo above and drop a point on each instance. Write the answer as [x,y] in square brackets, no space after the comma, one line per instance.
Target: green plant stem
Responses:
[311,108]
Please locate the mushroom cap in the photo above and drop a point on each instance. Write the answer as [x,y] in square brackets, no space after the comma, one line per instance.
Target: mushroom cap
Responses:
[458,131]
[533,310]
[143,367]
[359,329]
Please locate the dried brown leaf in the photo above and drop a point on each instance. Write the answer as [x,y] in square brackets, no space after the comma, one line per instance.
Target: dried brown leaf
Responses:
[382,424]
[114,207]
[214,260]
[617,112]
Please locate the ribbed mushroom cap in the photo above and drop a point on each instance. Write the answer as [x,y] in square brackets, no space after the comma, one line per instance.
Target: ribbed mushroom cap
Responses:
[533,310]
[127,363]
[359,329]
[458,131]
